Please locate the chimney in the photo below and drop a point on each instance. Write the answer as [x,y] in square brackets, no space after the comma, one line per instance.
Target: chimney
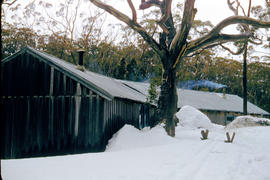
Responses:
[80,52]
[80,63]
[224,93]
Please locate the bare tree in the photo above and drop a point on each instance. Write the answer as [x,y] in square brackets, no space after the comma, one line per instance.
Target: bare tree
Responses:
[173,45]
[68,23]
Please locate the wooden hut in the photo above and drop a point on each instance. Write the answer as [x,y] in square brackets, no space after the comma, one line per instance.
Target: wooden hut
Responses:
[221,108]
[50,107]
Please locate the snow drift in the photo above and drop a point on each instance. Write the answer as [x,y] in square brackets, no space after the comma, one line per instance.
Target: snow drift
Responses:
[191,117]
[130,138]
[248,121]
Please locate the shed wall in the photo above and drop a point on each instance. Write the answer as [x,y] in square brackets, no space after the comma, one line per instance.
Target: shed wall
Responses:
[46,112]
[119,112]
[224,118]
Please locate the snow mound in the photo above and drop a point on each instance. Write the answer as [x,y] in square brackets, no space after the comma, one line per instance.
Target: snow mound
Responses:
[191,117]
[247,121]
[129,138]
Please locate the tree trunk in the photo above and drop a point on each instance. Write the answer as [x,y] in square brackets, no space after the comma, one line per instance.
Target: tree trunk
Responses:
[0,171]
[167,103]
[1,55]
[245,80]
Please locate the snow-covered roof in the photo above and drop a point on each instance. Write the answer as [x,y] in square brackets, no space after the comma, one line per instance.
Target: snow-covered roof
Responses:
[205,100]
[215,101]
[104,86]
[110,88]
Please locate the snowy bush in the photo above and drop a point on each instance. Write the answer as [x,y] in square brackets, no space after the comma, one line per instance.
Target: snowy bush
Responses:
[264,121]
[191,117]
[247,121]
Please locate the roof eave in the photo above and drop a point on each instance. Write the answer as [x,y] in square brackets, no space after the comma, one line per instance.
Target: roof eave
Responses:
[62,69]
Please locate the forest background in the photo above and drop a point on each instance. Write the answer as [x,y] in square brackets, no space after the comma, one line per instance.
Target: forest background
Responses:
[115,50]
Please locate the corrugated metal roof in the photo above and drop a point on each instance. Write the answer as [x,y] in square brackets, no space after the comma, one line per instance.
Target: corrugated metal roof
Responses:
[142,87]
[215,101]
[110,88]
[106,87]
[205,100]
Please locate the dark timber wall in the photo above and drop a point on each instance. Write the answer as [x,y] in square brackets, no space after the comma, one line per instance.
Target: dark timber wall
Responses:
[46,112]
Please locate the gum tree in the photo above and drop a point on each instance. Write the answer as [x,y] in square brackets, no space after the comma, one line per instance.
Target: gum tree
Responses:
[174,44]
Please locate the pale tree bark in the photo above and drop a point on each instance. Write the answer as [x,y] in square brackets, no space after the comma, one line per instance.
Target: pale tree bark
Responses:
[173,46]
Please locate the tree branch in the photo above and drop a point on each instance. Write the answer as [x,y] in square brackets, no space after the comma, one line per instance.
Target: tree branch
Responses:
[147,4]
[239,51]
[166,15]
[256,43]
[233,9]
[249,8]
[167,8]
[124,18]
[134,14]
[239,20]
[236,12]
[214,35]
[243,11]
[203,49]
[178,45]
[9,4]
[216,40]
[267,2]
[186,24]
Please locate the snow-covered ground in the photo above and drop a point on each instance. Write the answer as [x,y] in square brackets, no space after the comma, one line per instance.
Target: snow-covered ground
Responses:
[152,155]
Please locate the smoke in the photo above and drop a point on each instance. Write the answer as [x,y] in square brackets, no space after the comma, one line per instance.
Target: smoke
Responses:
[190,84]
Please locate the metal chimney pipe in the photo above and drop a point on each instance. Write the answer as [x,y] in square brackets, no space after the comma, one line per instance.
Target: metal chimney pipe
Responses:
[80,52]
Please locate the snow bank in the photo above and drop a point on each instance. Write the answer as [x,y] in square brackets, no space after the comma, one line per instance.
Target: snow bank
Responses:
[191,117]
[247,121]
[179,158]
[129,138]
